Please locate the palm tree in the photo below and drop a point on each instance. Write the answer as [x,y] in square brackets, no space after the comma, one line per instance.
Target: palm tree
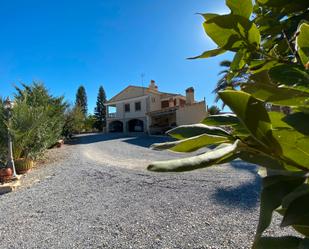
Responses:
[213,110]
[222,83]
[230,79]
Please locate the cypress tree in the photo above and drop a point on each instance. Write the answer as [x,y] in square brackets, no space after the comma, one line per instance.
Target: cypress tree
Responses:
[100,110]
[81,100]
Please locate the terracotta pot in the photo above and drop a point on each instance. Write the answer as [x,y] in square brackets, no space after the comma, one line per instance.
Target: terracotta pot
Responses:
[59,143]
[22,165]
[6,174]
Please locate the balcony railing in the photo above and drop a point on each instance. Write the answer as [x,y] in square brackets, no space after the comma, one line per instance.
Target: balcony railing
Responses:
[111,115]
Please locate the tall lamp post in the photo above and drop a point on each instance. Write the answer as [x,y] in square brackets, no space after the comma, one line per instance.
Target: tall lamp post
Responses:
[8,106]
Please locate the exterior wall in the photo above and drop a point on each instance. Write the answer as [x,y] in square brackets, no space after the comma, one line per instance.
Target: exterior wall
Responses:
[125,123]
[129,93]
[154,102]
[121,114]
[191,114]
[110,120]
[119,110]
[124,117]
[133,113]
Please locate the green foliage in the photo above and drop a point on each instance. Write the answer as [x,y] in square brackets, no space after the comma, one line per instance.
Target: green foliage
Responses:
[232,32]
[271,44]
[36,121]
[73,121]
[213,110]
[191,144]
[187,131]
[90,123]
[100,110]
[221,155]
[303,43]
[3,133]
[243,8]
[81,100]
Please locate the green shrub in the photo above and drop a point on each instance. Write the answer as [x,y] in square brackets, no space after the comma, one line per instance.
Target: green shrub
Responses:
[270,67]
[213,110]
[37,120]
[3,134]
[90,123]
[74,121]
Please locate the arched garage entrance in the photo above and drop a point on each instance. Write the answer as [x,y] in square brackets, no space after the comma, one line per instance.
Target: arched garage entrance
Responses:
[135,125]
[116,126]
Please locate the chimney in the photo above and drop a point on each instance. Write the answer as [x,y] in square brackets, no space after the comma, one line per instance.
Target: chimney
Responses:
[190,96]
[152,86]
[171,102]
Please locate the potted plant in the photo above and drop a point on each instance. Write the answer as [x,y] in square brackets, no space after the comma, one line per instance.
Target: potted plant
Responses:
[22,165]
[5,174]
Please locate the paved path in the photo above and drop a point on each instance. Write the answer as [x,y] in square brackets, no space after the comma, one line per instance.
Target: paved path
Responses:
[97,194]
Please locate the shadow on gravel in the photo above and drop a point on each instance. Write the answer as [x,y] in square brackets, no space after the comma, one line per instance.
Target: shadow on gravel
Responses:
[147,141]
[93,138]
[134,139]
[244,196]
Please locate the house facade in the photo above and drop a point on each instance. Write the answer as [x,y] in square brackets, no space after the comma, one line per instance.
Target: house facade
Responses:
[146,109]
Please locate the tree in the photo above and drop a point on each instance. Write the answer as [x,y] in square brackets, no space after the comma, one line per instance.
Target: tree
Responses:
[213,110]
[232,77]
[223,82]
[36,122]
[73,121]
[81,100]
[270,40]
[3,133]
[100,110]
[89,123]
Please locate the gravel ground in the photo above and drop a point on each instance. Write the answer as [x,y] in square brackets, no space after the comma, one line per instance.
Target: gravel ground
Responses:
[96,193]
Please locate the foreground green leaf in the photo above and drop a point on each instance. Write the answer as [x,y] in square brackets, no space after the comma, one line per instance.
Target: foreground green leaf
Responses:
[253,115]
[191,144]
[277,95]
[208,16]
[216,156]
[297,212]
[187,131]
[260,158]
[294,147]
[195,143]
[274,189]
[293,143]
[298,121]
[209,53]
[166,145]
[232,32]
[287,242]
[221,120]
[289,75]
[298,192]
[302,42]
[238,60]
[243,8]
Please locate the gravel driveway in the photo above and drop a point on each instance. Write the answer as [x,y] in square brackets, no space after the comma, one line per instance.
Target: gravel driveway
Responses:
[97,194]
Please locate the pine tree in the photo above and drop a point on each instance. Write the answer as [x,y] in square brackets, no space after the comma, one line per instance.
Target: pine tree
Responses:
[100,110]
[81,100]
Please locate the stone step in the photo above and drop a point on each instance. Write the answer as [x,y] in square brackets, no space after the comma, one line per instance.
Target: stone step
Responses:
[9,186]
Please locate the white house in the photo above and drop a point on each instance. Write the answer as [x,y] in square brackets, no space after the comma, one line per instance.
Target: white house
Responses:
[146,109]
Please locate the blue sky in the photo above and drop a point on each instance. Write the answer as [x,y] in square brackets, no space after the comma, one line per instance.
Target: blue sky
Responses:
[66,43]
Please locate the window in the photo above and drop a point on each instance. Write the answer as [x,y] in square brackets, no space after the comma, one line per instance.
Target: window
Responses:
[164,104]
[137,106]
[127,107]
[153,99]
[182,102]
